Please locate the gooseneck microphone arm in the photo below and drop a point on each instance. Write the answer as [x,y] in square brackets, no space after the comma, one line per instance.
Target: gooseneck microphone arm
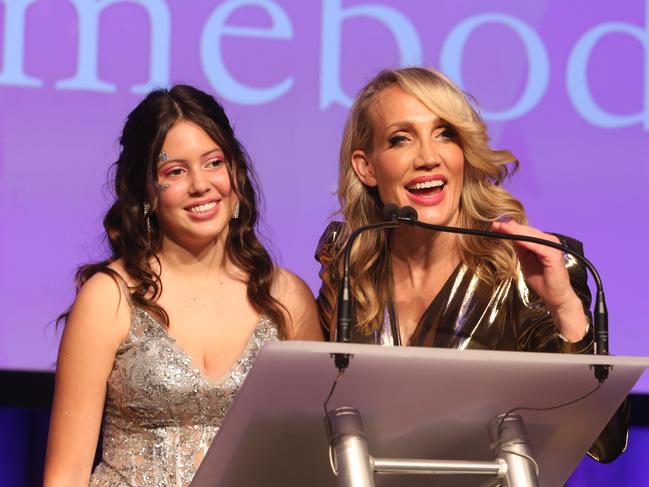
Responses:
[408,215]
[344,316]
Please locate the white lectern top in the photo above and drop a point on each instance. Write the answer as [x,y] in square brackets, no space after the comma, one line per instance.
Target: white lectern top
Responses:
[416,403]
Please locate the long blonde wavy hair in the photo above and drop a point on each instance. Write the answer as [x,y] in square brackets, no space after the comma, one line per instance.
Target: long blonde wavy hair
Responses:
[483,199]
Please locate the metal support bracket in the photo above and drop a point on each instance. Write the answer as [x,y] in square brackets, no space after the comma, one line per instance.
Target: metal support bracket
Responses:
[353,465]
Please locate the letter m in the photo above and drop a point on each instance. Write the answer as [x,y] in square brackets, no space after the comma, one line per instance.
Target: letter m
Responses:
[88,12]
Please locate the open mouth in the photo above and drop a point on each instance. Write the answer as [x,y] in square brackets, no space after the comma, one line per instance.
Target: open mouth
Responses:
[204,208]
[427,188]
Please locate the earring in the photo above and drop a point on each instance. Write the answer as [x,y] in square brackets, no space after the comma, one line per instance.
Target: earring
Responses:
[235,213]
[146,208]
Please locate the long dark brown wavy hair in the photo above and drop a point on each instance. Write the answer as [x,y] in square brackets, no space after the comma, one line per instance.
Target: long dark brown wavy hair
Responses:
[125,223]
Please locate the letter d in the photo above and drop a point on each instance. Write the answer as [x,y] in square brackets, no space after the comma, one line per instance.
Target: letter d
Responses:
[577,75]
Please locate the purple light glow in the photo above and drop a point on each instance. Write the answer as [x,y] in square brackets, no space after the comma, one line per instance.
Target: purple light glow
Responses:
[285,86]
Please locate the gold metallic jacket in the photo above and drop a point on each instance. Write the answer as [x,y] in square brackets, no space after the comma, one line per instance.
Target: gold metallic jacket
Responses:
[468,313]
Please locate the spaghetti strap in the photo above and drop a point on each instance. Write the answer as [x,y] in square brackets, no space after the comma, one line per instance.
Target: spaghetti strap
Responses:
[125,291]
[121,283]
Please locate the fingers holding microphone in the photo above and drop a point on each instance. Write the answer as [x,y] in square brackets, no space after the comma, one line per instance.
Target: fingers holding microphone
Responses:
[545,272]
[532,254]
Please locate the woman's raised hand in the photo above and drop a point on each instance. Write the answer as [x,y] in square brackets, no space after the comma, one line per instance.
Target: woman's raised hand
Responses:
[545,272]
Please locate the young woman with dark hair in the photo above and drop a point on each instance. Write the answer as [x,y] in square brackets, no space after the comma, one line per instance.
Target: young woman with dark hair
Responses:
[163,332]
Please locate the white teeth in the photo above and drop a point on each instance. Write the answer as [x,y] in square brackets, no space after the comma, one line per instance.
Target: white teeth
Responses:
[435,183]
[203,208]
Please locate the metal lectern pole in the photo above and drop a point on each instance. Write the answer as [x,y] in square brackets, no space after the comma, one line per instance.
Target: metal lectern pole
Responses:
[351,457]
[513,466]
[509,442]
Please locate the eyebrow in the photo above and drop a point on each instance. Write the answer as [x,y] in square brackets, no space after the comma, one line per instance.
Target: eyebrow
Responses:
[216,149]
[437,121]
[399,125]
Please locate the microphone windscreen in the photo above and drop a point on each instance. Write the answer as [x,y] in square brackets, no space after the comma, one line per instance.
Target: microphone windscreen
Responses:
[409,212]
[390,212]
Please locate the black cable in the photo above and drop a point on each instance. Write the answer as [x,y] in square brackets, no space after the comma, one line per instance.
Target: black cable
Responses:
[547,408]
[533,408]
[408,215]
[331,393]
[509,236]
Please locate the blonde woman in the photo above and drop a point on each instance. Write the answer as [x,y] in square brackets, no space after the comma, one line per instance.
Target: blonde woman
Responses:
[412,138]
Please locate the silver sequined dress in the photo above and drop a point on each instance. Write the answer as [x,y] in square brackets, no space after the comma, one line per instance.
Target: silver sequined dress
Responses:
[161,412]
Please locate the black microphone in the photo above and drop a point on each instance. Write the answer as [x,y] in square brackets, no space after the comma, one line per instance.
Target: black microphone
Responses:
[408,215]
[391,214]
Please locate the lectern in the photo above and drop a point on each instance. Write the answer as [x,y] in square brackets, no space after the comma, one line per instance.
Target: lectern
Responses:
[424,403]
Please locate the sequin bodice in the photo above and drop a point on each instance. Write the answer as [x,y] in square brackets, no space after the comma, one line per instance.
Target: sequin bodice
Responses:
[161,412]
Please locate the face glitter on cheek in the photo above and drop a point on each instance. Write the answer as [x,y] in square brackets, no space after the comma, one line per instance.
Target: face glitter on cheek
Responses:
[164,187]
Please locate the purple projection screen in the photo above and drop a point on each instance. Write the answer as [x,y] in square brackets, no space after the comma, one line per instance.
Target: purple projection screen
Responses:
[564,85]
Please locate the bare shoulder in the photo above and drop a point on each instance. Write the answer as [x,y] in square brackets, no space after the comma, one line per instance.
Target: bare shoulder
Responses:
[101,308]
[97,325]
[118,267]
[105,290]
[287,286]
[294,294]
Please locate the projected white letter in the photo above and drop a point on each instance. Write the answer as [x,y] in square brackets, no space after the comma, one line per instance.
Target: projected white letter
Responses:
[14,45]
[88,13]
[577,75]
[213,62]
[332,17]
[538,72]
